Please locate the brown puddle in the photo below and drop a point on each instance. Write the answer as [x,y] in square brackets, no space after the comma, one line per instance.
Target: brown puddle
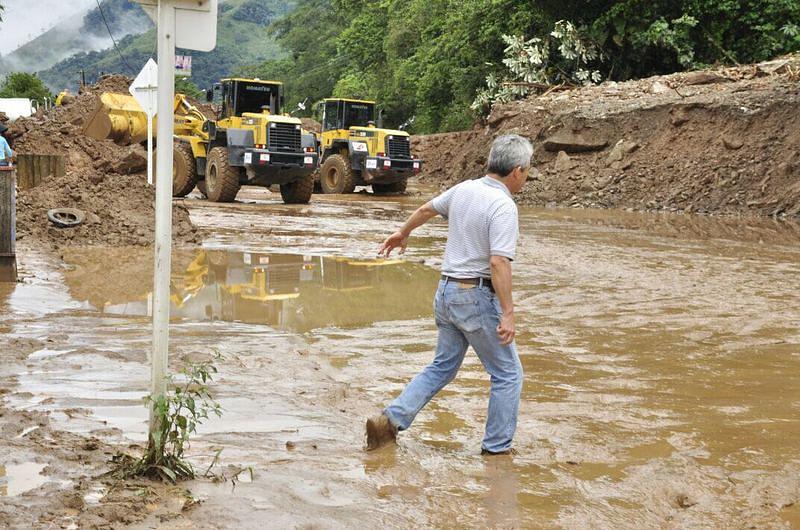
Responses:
[16,479]
[290,292]
[662,361]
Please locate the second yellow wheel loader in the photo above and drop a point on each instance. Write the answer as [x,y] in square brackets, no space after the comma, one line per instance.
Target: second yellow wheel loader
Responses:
[356,153]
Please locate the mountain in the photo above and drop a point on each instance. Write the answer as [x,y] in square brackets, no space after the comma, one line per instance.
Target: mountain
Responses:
[82,32]
[242,40]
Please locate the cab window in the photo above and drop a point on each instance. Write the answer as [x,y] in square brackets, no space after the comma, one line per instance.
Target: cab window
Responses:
[331,122]
[358,114]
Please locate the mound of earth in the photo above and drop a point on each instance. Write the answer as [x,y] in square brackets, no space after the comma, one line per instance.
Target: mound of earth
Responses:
[719,141]
[105,180]
[119,211]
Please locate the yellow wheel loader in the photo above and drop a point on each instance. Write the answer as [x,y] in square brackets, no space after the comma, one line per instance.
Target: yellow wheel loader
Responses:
[356,153]
[250,143]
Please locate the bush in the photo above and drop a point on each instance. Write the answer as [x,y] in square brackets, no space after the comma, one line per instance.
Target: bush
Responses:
[177,415]
[24,85]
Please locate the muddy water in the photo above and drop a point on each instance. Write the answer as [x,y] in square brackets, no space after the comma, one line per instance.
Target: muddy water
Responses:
[292,292]
[662,361]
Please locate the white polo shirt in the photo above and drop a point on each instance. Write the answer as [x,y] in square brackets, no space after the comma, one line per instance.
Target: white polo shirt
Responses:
[482,222]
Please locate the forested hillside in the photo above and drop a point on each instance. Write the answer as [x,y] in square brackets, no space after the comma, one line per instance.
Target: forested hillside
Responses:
[425,60]
[78,34]
[241,40]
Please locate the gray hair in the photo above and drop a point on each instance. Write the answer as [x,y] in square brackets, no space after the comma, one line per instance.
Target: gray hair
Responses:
[509,151]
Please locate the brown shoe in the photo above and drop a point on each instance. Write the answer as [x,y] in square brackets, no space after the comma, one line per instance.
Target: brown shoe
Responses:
[508,452]
[380,432]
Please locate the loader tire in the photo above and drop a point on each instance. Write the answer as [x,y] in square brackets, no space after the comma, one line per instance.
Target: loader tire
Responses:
[336,175]
[222,179]
[394,187]
[184,168]
[201,187]
[298,191]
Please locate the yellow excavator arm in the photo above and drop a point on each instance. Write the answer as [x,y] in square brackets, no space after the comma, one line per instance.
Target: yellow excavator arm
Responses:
[119,117]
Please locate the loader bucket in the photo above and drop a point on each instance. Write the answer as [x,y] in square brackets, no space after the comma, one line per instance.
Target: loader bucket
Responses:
[117,117]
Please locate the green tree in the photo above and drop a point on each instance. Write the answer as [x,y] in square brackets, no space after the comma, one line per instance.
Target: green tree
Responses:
[425,61]
[24,85]
[187,87]
[644,38]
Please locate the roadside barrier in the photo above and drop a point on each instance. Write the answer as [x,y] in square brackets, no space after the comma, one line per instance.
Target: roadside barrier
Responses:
[8,224]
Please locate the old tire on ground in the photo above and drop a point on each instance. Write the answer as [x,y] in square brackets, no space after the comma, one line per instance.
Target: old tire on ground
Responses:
[336,175]
[394,187]
[66,217]
[299,191]
[201,187]
[222,179]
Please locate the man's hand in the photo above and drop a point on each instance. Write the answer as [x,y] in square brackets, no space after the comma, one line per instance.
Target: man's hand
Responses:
[398,239]
[505,330]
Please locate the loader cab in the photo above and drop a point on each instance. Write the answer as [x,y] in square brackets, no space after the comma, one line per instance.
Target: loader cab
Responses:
[341,114]
[250,95]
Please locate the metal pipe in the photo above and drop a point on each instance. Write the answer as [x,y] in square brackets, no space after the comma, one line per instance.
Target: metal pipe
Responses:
[163,247]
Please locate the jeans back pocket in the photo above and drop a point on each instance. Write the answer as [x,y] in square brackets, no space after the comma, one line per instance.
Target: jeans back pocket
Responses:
[465,315]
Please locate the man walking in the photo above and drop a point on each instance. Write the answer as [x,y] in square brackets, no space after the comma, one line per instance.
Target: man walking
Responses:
[473,304]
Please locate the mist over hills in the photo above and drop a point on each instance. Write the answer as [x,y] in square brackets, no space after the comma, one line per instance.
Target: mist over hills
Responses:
[242,41]
[81,31]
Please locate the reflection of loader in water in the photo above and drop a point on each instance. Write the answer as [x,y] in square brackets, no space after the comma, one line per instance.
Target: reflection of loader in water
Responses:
[267,288]
[343,274]
[246,287]
[290,292]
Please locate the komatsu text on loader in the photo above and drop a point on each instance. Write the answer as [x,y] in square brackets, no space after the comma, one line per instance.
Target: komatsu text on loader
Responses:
[356,153]
[250,143]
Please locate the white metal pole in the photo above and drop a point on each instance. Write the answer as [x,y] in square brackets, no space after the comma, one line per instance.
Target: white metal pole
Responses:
[166,94]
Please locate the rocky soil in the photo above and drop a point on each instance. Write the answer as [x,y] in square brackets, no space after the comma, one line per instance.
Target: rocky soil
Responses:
[721,141]
[108,182]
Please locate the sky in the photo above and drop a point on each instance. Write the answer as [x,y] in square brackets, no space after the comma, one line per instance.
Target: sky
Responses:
[24,20]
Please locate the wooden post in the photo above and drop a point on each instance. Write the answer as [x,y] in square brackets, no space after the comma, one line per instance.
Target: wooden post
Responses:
[33,170]
[8,224]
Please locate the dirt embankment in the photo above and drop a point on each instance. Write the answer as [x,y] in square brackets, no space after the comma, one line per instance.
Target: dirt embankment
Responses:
[722,142]
[108,182]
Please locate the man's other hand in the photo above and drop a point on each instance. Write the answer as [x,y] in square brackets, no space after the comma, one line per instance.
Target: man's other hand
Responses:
[506,331]
[398,239]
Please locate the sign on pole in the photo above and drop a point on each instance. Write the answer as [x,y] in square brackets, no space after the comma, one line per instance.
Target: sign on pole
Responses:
[196,22]
[190,24]
[144,89]
[183,65]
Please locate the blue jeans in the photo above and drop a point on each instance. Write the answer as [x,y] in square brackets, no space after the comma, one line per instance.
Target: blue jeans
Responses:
[467,317]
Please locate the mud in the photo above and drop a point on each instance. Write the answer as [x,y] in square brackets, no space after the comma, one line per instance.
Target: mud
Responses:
[105,180]
[660,352]
[714,142]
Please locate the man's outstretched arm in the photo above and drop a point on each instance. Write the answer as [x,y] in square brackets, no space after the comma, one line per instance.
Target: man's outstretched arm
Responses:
[400,238]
